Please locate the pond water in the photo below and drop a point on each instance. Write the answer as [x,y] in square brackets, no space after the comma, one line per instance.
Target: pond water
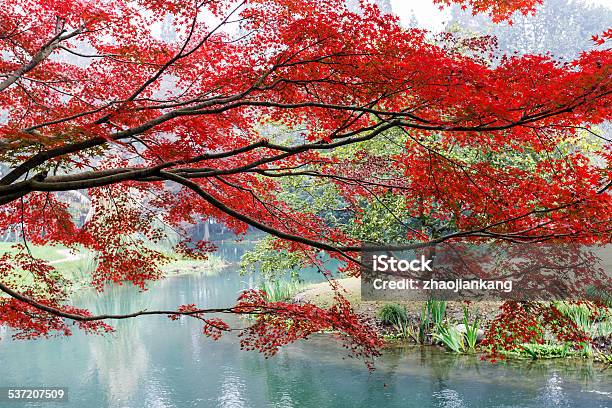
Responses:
[154,362]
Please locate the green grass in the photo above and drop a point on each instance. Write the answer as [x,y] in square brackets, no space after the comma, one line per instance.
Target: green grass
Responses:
[76,266]
[48,253]
[72,266]
[278,291]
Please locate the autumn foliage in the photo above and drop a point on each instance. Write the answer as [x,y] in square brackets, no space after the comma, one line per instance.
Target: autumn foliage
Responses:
[164,113]
[520,323]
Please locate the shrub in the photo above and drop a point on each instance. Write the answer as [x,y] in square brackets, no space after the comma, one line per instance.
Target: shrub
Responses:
[393,314]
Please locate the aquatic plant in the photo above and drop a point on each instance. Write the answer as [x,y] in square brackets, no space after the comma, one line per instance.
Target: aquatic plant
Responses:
[602,329]
[280,290]
[537,351]
[423,324]
[604,357]
[471,330]
[450,337]
[437,310]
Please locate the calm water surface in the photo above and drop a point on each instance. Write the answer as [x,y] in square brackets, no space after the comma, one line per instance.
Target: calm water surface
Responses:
[154,362]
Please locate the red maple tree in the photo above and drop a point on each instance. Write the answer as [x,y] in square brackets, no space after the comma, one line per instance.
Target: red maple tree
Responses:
[207,122]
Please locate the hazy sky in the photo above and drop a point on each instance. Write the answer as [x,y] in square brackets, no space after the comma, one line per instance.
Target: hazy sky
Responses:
[429,15]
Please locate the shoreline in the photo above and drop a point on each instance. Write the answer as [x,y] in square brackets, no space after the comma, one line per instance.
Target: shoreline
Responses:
[321,294]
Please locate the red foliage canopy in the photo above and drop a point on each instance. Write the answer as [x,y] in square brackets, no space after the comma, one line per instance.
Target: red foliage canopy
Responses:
[167,112]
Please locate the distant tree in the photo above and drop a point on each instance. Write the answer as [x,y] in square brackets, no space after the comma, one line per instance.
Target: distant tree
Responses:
[561,27]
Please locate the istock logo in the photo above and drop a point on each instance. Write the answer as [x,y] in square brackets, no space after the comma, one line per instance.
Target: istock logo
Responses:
[385,263]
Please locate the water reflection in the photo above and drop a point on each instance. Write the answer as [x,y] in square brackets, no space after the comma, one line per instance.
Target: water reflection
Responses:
[155,362]
[448,398]
[120,363]
[232,390]
[120,359]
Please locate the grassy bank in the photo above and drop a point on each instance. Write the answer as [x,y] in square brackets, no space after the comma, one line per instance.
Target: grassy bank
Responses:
[322,295]
[77,266]
[461,328]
